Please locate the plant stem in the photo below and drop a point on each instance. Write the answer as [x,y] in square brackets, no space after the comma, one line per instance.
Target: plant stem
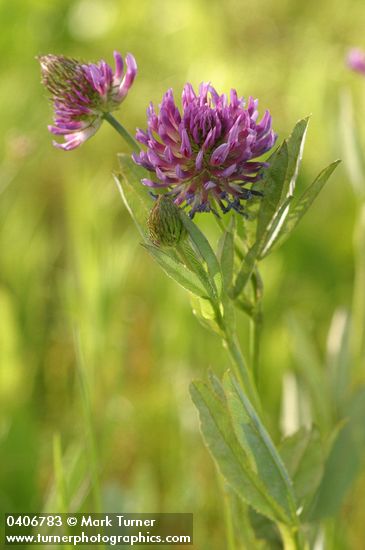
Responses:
[122,131]
[291,538]
[255,313]
[256,324]
[228,515]
[241,370]
[255,337]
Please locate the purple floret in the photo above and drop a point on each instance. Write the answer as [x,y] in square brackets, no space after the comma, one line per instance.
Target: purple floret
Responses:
[205,156]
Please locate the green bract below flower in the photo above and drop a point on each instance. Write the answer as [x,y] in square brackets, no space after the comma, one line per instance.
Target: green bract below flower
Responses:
[83,94]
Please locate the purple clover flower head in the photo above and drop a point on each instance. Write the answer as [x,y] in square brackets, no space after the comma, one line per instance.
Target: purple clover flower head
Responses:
[83,93]
[356,60]
[205,155]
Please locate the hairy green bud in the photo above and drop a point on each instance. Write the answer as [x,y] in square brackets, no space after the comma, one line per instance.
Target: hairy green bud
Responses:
[164,223]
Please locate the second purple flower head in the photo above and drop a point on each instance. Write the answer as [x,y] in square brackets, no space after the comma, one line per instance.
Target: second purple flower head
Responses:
[205,155]
[82,93]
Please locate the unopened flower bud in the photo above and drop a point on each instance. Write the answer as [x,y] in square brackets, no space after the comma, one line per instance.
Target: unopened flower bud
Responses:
[165,224]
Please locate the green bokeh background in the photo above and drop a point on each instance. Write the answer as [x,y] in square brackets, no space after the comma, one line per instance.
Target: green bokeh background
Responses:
[81,303]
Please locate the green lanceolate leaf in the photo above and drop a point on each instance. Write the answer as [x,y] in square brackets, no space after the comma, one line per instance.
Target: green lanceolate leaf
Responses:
[303,456]
[272,188]
[216,385]
[275,227]
[177,271]
[225,254]
[344,461]
[202,245]
[231,458]
[259,448]
[135,197]
[304,202]
[187,255]
[226,257]
[295,144]
[273,184]
[277,187]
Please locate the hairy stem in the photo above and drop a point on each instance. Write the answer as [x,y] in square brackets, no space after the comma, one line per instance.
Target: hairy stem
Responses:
[256,324]
[291,538]
[241,370]
[122,131]
[228,515]
[255,337]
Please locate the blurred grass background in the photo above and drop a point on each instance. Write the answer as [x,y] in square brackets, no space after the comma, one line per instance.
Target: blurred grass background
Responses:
[82,306]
